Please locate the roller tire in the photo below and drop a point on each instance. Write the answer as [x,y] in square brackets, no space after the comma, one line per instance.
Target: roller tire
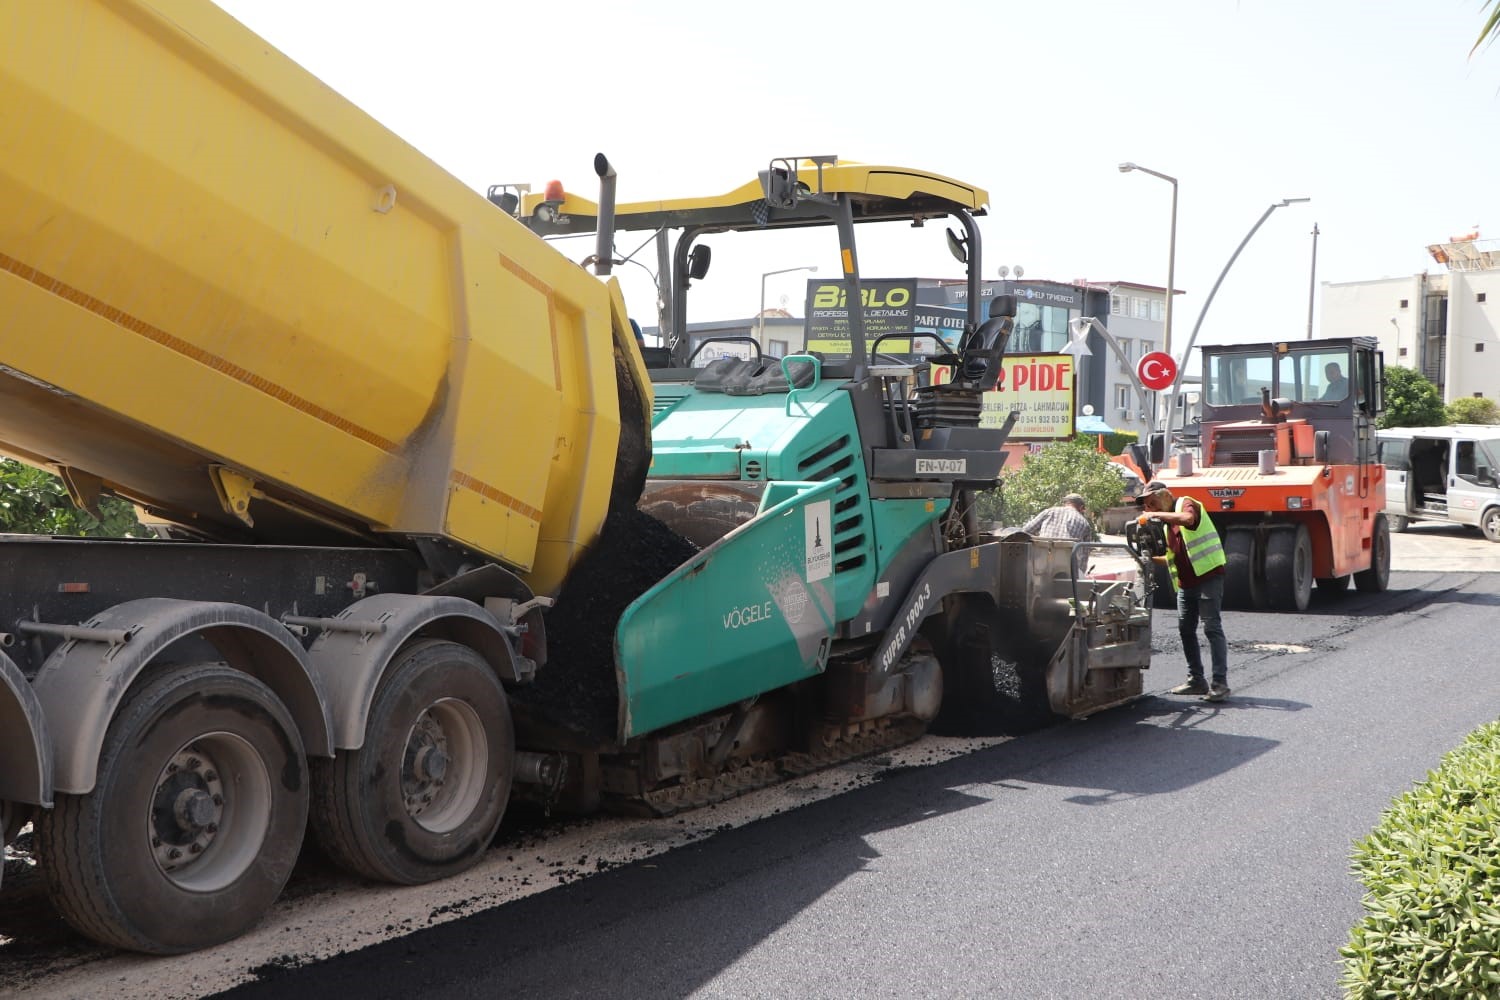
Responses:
[1377,578]
[368,813]
[1333,585]
[1289,572]
[103,855]
[1244,586]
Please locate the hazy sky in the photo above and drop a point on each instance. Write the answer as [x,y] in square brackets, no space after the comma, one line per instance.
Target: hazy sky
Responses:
[1373,109]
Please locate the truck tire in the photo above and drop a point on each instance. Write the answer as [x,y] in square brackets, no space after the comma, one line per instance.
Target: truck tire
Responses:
[1244,587]
[1489,523]
[1378,577]
[1289,573]
[423,797]
[194,823]
[1399,522]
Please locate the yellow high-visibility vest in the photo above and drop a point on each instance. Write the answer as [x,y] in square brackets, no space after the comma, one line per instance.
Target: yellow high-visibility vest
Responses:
[1205,551]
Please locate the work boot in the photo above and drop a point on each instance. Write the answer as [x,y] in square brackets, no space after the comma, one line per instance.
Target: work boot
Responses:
[1217,691]
[1194,685]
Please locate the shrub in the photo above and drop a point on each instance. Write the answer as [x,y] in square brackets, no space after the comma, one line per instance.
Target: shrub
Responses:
[1473,410]
[1117,442]
[1411,400]
[1431,869]
[1043,479]
[36,502]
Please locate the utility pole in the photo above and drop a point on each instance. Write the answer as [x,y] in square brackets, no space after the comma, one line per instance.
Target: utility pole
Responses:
[1312,282]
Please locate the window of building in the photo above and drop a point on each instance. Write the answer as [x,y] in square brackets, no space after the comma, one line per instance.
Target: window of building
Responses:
[1054,328]
[1402,352]
[1039,329]
[1158,310]
[1478,348]
[1126,344]
[1479,297]
[1403,303]
[1026,336]
[776,348]
[1122,398]
[1118,305]
[1140,308]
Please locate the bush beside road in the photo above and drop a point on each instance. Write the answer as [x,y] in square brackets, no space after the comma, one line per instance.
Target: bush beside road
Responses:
[1430,869]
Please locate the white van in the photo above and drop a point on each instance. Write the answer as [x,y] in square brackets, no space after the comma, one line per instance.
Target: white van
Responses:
[1442,474]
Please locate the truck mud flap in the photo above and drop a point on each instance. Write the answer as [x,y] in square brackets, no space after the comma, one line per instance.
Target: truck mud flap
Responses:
[83,682]
[24,745]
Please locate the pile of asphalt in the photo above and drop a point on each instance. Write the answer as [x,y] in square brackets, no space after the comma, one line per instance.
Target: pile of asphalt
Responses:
[576,690]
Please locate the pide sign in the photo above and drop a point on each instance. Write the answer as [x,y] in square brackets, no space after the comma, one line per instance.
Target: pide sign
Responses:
[1039,387]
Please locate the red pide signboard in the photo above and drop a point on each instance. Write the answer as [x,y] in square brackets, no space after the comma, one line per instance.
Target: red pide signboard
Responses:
[1039,386]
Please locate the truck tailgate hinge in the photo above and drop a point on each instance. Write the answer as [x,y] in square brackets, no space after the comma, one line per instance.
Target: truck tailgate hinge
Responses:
[234,490]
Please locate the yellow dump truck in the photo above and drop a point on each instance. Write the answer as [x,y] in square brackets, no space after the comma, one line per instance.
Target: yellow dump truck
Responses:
[235,300]
[420,547]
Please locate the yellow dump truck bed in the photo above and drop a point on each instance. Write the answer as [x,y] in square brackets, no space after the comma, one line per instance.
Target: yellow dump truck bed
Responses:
[226,291]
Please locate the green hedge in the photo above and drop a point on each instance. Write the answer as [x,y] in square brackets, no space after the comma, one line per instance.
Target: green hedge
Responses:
[1432,871]
[1041,480]
[1117,442]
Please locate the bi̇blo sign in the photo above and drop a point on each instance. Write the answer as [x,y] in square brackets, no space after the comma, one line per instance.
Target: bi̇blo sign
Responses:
[890,307]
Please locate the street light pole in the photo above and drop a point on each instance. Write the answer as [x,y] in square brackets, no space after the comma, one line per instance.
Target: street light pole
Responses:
[1312,281]
[1181,365]
[1126,168]
[760,317]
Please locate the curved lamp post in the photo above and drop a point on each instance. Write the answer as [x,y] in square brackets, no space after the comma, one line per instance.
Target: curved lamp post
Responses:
[1193,337]
[1126,168]
[760,317]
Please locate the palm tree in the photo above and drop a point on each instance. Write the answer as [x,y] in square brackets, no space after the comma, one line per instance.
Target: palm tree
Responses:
[1491,26]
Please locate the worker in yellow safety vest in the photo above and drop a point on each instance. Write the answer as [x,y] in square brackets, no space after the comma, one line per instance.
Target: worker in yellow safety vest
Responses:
[1195,562]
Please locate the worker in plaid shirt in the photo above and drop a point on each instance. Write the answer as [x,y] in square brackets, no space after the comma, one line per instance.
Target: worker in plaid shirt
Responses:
[1066,520]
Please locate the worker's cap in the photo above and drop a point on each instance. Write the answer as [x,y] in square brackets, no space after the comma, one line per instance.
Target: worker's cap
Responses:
[1155,486]
[1075,498]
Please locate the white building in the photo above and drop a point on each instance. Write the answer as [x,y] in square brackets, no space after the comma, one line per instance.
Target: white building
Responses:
[1137,321]
[1446,325]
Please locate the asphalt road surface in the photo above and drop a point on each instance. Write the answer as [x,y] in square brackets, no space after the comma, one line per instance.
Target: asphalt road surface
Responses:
[1171,848]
